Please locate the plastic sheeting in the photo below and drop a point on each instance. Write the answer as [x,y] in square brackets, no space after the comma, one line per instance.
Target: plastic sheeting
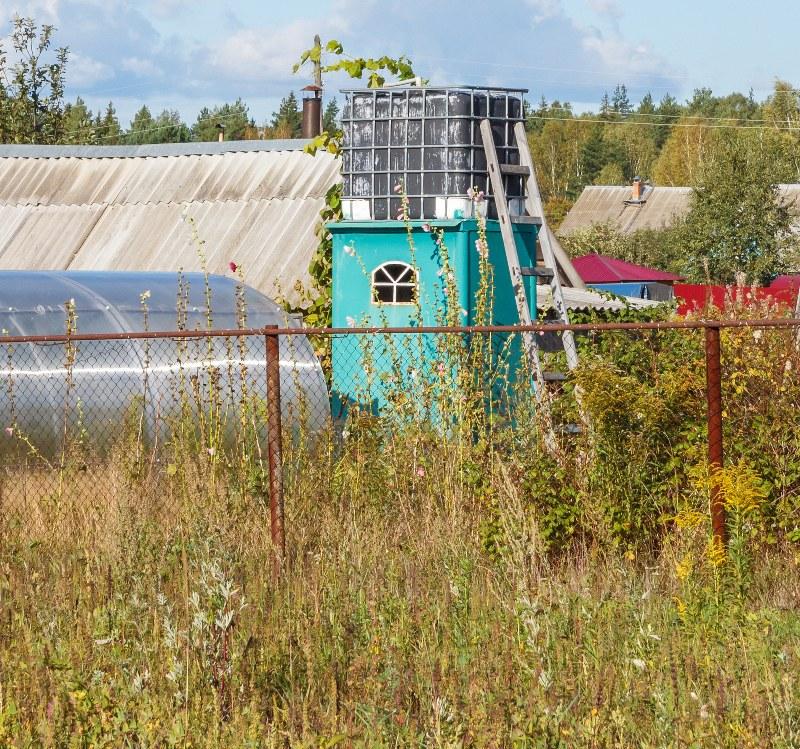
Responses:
[92,385]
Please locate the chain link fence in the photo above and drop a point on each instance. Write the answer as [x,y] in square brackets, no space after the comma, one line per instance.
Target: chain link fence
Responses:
[102,431]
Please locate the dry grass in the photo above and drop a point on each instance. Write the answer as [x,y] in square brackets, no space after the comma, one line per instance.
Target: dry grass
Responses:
[392,626]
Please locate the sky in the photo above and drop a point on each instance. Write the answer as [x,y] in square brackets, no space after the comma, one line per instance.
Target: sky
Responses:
[186,54]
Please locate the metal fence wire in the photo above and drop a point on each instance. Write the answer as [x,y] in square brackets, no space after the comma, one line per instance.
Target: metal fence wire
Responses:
[103,430]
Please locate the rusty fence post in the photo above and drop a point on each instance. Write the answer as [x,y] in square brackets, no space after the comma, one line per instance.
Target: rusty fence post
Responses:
[714,421]
[274,448]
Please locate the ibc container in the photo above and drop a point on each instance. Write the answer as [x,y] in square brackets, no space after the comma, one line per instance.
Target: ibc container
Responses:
[429,140]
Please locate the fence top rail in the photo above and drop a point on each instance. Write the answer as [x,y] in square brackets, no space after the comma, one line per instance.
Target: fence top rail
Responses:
[274,330]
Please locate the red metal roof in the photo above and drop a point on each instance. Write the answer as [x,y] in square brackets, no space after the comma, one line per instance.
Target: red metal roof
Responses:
[603,269]
[791,282]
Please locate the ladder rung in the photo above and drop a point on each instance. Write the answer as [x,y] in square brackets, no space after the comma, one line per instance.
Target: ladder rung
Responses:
[554,376]
[569,428]
[535,220]
[517,169]
[538,272]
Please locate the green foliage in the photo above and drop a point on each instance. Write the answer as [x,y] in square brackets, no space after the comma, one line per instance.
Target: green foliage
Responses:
[32,90]
[357,67]
[287,121]
[234,119]
[654,248]
[738,222]
[167,127]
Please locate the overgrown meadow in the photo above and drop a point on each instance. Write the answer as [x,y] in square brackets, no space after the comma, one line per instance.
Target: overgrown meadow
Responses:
[452,579]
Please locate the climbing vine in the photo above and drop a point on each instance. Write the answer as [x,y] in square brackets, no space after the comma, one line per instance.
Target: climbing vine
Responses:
[315,304]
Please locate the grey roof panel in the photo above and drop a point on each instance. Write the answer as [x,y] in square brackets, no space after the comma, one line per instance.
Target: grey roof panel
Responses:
[16,151]
[257,207]
[603,203]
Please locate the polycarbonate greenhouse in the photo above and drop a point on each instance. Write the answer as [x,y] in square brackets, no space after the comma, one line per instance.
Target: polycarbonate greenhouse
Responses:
[92,385]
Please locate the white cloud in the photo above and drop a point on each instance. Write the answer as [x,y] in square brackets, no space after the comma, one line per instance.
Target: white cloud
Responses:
[267,54]
[618,55]
[44,11]
[171,8]
[85,71]
[608,8]
[545,9]
[141,67]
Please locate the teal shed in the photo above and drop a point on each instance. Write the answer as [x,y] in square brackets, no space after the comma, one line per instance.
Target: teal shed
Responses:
[391,274]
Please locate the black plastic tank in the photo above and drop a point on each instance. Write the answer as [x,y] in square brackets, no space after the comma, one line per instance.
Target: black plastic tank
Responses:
[429,140]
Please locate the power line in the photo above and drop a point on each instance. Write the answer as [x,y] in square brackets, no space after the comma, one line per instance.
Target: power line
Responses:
[581,119]
[677,116]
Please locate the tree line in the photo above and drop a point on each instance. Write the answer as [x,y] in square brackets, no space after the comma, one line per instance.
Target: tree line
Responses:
[733,150]
[33,108]
[665,142]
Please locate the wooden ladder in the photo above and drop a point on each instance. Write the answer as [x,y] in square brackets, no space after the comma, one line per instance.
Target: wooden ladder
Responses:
[555,260]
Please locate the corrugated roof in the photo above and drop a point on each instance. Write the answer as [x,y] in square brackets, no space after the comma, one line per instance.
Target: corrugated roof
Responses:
[595,268]
[149,149]
[601,204]
[126,208]
[584,299]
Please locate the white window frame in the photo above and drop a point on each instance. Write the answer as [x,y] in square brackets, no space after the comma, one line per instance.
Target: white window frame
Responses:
[396,283]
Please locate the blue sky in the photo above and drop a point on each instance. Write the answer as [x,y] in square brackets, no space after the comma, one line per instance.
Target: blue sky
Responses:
[183,54]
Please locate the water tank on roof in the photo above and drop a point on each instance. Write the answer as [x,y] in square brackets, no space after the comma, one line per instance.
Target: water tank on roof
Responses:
[429,140]
[94,383]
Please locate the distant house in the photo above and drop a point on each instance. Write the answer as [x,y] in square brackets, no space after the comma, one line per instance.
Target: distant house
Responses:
[641,206]
[254,203]
[606,273]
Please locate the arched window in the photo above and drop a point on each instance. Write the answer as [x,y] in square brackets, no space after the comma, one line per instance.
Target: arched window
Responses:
[394,283]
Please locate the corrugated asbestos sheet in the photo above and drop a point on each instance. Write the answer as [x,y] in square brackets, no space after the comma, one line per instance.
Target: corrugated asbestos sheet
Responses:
[255,203]
[601,204]
[584,299]
[598,205]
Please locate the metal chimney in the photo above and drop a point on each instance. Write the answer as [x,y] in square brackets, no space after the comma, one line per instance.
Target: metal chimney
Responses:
[312,112]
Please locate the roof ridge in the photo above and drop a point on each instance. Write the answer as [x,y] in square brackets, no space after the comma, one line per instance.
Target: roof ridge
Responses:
[107,203]
[149,150]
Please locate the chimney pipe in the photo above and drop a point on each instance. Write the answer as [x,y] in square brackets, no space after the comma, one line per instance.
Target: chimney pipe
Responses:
[221,132]
[637,189]
[312,112]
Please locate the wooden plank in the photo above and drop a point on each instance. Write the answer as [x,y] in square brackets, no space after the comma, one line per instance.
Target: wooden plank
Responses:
[512,257]
[533,200]
[516,169]
[564,262]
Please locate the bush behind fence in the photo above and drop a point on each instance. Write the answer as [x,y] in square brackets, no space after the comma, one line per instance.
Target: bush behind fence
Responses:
[100,433]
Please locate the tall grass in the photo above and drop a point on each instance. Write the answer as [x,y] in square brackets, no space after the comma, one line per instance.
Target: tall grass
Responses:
[449,582]
[401,620]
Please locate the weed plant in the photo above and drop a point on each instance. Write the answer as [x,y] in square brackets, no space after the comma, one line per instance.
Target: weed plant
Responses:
[449,581]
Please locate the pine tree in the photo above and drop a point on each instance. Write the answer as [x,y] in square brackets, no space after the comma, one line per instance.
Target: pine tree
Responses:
[605,105]
[287,121]
[142,127]
[166,128]
[621,104]
[234,118]
[330,118]
[593,154]
[108,129]
[79,126]
[668,110]
[646,105]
